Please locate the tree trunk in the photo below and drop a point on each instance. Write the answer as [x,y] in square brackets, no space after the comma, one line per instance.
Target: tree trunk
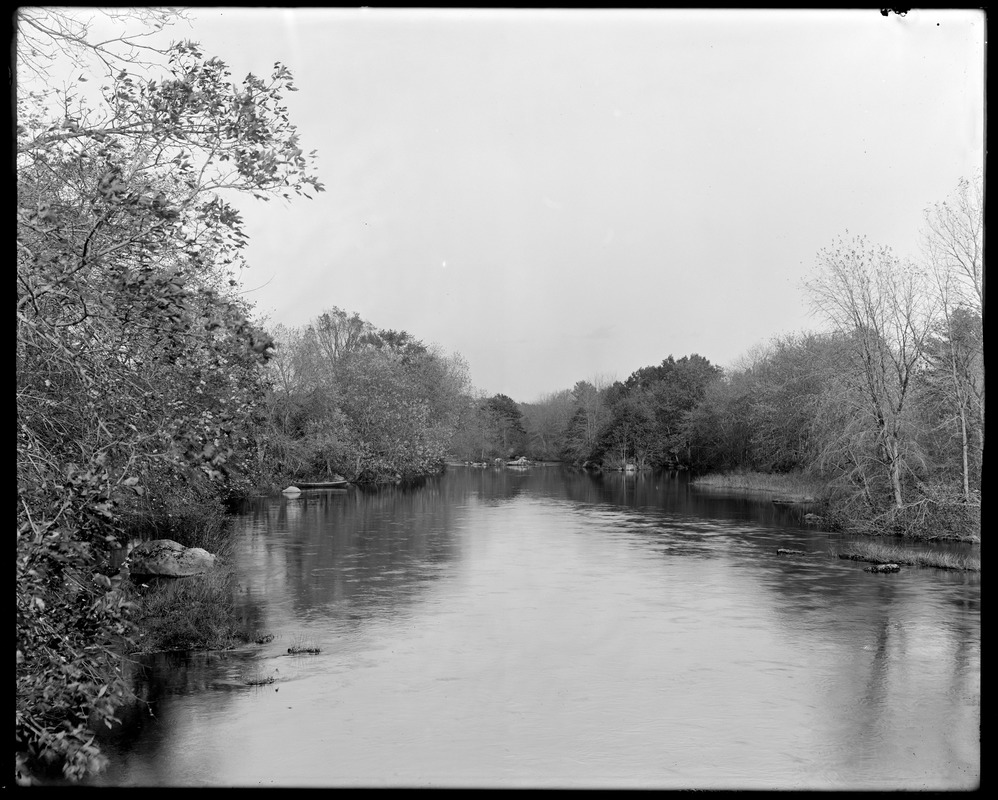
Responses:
[965,444]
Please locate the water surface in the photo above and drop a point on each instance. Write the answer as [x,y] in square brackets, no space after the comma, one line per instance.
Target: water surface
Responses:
[545,628]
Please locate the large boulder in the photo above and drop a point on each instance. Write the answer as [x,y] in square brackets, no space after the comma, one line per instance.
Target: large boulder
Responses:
[169,559]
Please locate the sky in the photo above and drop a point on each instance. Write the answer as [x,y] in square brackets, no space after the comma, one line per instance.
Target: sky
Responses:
[564,195]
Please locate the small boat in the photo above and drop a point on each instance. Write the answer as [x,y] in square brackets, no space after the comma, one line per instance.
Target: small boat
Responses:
[322,484]
[522,461]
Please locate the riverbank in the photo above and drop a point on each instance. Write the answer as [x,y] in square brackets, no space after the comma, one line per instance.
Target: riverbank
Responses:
[792,487]
[875,553]
[929,518]
[191,613]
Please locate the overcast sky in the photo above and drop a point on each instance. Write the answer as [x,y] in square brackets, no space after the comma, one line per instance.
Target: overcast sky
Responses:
[562,194]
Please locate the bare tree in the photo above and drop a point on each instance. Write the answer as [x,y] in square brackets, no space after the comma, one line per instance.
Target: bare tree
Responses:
[867,292]
[591,399]
[953,241]
[546,420]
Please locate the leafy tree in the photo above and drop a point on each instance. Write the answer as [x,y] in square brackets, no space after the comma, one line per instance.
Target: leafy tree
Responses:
[629,435]
[787,384]
[507,423]
[388,421]
[337,333]
[138,366]
[303,410]
[582,432]
[475,434]
[297,381]
[679,388]
[401,342]
[370,404]
[718,430]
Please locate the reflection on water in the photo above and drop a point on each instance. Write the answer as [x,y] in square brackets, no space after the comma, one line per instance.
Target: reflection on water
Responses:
[550,628]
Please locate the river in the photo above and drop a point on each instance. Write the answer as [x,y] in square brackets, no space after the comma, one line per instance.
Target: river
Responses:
[513,628]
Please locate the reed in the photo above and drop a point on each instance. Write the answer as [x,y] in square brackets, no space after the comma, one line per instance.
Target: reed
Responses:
[193,613]
[303,645]
[891,554]
[257,677]
[792,486]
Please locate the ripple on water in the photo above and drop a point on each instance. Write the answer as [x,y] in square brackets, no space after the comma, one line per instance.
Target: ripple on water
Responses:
[558,636]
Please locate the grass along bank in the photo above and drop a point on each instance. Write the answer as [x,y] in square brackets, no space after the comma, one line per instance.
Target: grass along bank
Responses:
[934,516]
[193,613]
[790,486]
[876,553]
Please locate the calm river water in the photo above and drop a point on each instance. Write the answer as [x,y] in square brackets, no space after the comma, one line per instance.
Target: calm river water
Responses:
[547,628]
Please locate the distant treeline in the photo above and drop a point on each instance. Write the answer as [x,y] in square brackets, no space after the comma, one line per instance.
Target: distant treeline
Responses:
[886,405]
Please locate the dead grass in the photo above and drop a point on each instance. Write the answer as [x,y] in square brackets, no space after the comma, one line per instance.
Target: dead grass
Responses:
[891,554]
[303,645]
[790,486]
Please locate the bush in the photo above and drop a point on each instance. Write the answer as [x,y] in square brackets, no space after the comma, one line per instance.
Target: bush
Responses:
[71,622]
[935,518]
[194,613]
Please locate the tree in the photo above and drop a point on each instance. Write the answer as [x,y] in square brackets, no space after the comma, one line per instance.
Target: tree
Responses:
[337,333]
[953,392]
[371,404]
[582,433]
[629,434]
[388,421]
[506,420]
[953,241]
[786,384]
[475,431]
[47,34]
[880,302]
[679,388]
[718,429]
[545,422]
[139,369]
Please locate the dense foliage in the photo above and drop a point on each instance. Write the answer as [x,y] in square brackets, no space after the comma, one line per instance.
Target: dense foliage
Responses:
[351,400]
[139,371]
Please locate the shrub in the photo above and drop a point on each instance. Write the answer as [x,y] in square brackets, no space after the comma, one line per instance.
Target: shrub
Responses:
[194,613]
